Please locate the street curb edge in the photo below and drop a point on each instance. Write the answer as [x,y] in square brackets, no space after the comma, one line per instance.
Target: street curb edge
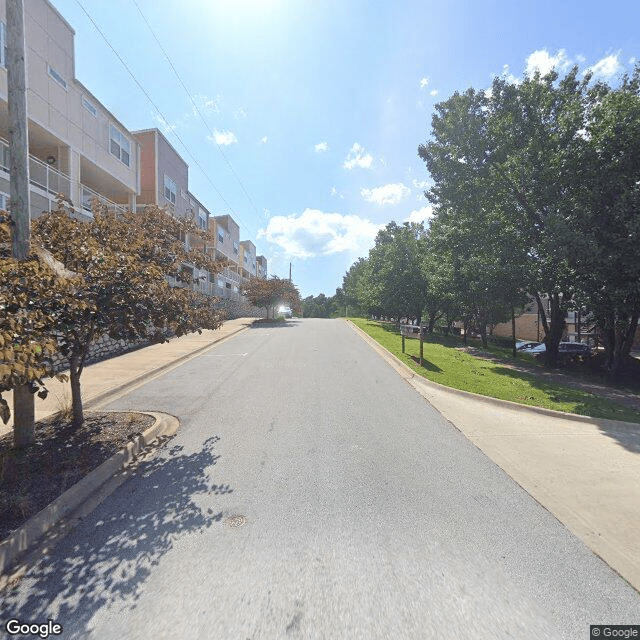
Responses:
[415,379]
[31,532]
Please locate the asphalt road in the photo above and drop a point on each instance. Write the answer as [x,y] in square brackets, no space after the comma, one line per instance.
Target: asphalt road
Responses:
[363,515]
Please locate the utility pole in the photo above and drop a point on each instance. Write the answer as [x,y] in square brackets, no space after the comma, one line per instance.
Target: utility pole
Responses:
[23,399]
[289,272]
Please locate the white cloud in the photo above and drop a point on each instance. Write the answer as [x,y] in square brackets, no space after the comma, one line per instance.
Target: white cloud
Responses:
[386,194]
[421,184]
[420,215]
[580,58]
[357,158]
[224,138]
[264,139]
[433,92]
[424,82]
[607,67]
[321,147]
[205,103]
[335,193]
[240,114]
[316,233]
[633,60]
[544,62]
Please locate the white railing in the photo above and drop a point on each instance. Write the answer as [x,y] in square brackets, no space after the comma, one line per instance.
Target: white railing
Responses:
[41,174]
[87,197]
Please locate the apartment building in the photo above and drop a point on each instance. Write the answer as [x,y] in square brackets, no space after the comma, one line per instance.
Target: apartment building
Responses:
[261,267]
[164,177]
[247,259]
[77,147]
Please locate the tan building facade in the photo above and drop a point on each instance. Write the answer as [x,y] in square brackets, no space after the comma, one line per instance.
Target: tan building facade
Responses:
[77,147]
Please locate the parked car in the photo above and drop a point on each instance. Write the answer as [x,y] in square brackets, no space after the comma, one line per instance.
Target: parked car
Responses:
[534,347]
[574,349]
[525,346]
[286,312]
[566,350]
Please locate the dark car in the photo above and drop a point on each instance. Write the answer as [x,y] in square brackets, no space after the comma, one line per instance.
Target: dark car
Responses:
[572,349]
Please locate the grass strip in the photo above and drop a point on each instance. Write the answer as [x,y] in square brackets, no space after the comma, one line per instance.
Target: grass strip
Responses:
[448,366]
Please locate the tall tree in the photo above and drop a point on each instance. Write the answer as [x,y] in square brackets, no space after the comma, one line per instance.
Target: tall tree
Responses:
[516,150]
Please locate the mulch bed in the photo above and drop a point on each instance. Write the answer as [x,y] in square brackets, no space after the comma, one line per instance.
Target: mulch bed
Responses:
[33,477]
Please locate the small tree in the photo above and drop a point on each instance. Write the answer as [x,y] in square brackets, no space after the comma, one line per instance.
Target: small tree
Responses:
[271,293]
[123,262]
[32,293]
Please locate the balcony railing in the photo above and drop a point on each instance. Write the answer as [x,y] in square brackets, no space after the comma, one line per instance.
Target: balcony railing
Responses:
[88,196]
[41,174]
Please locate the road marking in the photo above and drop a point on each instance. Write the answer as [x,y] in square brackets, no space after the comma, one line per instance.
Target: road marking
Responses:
[225,355]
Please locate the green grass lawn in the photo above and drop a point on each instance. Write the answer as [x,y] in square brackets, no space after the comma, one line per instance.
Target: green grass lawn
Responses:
[444,364]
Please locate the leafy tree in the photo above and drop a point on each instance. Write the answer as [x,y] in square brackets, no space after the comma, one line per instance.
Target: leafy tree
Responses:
[271,293]
[516,150]
[32,293]
[609,258]
[396,281]
[123,262]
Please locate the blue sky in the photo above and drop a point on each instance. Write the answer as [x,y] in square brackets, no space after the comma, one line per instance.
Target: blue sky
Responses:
[319,105]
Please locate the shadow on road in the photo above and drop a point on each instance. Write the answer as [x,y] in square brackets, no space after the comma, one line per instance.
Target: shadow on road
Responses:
[109,564]
[273,325]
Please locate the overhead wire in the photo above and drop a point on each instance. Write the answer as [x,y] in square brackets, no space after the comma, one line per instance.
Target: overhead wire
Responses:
[195,106]
[155,106]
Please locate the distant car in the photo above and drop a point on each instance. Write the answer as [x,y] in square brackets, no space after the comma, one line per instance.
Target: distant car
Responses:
[534,348]
[286,312]
[525,346]
[566,350]
[572,349]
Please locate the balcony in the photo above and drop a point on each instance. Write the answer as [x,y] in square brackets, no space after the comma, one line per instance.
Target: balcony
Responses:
[49,182]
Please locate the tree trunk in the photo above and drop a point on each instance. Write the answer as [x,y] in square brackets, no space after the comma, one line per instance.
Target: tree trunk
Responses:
[24,433]
[432,322]
[513,333]
[75,369]
[556,330]
[465,327]
[483,330]
[622,341]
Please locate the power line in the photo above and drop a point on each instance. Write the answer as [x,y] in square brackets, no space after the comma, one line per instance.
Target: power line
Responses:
[155,106]
[195,106]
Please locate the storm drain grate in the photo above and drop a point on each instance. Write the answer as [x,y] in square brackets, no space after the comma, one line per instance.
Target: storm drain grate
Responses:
[236,521]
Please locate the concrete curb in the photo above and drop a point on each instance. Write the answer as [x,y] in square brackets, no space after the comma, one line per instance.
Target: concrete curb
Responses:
[32,531]
[414,379]
[103,397]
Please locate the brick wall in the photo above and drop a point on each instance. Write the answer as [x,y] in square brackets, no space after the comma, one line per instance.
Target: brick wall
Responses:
[526,328]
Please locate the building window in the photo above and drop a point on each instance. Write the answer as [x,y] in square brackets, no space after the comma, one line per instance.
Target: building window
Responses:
[4,201]
[228,285]
[57,77]
[235,247]
[3,44]
[220,236]
[170,190]
[119,145]
[89,107]
[203,221]
[245,259]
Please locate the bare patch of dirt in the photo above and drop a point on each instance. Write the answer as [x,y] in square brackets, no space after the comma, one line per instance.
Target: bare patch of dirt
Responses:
[33,477]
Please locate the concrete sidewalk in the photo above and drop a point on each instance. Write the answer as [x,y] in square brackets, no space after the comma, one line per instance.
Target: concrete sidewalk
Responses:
[106,378]
[585,471]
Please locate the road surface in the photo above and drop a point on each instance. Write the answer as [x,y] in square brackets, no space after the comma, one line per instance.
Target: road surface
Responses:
[311,493]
